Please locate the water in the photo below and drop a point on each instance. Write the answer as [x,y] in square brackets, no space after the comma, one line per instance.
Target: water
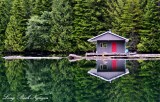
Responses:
[80,81]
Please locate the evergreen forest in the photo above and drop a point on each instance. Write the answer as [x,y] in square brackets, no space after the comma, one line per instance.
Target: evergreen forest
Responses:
[66,25]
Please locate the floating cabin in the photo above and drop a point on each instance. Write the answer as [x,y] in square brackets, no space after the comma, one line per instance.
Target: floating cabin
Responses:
[109,43]
[109,70]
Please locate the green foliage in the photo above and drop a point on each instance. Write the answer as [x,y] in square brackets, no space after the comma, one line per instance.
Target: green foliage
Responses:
[3,79]
[14,74]
[127,20]
[21,78]
[5,6]
[66,25]
[61,80]
[13,41]
[150,71]
[150,35]
[61,26]
[89,19]
[15,30]
[38,32]
[40,6]
[38,75]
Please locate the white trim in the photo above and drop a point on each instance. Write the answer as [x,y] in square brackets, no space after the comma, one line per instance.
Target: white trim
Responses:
[90,40]
[96,37]
[126,72]
[98,76]
[120,37]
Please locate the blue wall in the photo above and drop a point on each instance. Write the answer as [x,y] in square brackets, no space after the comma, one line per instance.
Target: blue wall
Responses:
[108,49]
[120,65]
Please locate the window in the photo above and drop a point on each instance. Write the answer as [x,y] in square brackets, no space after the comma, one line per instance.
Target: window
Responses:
[103,67]
[103,44]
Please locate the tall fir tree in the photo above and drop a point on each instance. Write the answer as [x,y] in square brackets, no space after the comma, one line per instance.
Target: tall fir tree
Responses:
[61,25]
[89,19]
[15,74]
[5,6]
[15,31]
[150,35]
[127,20]
[39,6]
[38,32]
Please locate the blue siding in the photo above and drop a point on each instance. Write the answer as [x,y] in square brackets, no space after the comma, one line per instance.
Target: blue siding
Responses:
[107,36]
[108,49]
[120,65]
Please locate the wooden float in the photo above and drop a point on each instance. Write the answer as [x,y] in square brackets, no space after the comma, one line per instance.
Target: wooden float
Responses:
[28,57]
[133,56]
[127,56]
[109,54]
[74,57]
[118,58]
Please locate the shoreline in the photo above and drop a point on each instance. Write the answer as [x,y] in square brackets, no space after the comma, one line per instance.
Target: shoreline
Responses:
[74,58]
[30,57]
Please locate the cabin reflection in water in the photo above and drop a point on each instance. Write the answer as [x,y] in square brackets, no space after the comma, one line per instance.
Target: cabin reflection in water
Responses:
[109,70]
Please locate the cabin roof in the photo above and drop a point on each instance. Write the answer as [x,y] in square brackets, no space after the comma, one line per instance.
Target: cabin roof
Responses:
[108,76]
[107,36]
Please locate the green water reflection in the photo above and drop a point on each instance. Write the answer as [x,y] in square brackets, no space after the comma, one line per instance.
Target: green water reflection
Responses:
[63,81]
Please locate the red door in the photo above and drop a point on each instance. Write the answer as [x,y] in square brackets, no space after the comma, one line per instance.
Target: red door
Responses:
[114,47]
[114,65]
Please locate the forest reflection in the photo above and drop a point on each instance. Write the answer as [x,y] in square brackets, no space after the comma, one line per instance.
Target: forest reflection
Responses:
[63,81]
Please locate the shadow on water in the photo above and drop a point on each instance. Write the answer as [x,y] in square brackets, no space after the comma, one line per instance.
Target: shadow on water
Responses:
[63,81]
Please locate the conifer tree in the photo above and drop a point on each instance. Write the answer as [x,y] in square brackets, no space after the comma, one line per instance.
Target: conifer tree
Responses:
[41,5]
[150,35]
[15,74]
[5,6]
[38,32]
[127,20]
[90,18]
[15,31]
[61,25]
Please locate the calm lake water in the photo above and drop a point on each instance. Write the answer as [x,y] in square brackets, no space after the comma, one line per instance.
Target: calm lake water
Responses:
[80,81]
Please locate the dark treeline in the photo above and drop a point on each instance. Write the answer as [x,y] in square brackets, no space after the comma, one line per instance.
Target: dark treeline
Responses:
[65,25]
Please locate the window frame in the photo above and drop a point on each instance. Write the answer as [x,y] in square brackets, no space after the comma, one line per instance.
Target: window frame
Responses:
[103,67]
[103,44]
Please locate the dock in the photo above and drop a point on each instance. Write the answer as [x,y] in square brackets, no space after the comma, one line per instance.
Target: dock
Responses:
[131,56]
[74,57]
[28,57]
[108,54]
